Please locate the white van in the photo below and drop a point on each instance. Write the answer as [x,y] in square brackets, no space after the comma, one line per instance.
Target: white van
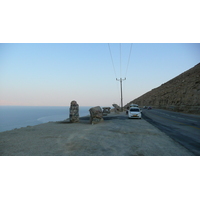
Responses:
[135,106]
[134,112]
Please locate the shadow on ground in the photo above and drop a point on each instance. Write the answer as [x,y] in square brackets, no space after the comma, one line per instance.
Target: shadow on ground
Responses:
[86,119]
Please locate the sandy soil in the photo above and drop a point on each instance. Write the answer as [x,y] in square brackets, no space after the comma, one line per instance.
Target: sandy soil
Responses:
[115,136]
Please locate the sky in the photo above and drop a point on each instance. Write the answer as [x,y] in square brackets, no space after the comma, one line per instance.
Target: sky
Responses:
[54,52]
[54,74]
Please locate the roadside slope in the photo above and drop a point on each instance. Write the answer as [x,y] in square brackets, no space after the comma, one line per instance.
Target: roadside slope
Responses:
[181,93]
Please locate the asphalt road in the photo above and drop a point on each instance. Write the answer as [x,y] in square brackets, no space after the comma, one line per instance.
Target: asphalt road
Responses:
[183,128]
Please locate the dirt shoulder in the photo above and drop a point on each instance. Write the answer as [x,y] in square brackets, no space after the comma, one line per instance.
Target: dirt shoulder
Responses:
[115,136]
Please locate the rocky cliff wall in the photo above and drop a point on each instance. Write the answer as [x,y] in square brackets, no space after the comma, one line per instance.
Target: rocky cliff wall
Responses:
[181,93]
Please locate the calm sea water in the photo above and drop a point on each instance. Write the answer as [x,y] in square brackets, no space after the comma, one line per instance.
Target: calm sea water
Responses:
[12,117]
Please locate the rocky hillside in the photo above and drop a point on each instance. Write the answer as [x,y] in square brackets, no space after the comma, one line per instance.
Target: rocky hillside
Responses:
[181,93]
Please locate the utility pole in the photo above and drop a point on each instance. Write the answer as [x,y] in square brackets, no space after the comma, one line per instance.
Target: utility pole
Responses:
[121,91]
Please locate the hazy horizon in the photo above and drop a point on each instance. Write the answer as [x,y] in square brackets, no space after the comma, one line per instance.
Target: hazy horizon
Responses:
[54,74]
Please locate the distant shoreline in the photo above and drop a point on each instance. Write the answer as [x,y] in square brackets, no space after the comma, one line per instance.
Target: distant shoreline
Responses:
[12,117]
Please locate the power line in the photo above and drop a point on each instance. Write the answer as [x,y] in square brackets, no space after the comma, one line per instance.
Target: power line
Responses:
[121,80]
[112,60]
[120,60]
[128,60]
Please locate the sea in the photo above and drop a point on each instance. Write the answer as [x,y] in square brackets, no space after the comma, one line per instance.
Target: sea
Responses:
[12,117]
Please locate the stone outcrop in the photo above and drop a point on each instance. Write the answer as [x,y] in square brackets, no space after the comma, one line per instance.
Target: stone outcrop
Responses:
[96,115]
[106,110]
[74,112]
[116,108]
[181,93]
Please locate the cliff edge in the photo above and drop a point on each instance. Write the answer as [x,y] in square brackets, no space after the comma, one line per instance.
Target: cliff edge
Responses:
[181,93]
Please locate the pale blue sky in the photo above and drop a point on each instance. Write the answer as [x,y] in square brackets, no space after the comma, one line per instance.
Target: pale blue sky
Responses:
[55,74]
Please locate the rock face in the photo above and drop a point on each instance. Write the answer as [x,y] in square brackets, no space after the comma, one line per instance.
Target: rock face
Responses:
[106,110]
[74,112]
[96,115]
[117,108]
[181,93]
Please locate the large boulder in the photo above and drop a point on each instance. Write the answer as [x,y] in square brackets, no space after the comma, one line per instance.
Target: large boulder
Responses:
[106,110]
[74,112]
[116,108]
[96,115]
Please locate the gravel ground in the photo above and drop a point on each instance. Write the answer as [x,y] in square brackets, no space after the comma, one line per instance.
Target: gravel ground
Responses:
[115,136]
